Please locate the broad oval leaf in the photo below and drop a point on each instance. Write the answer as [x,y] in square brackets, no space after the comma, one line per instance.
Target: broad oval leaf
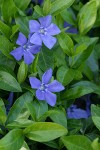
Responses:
[65,75]
[87,17]
[45,59]
[95,110]
[18,106]
[12,141]
[58,5]
[78,142]
[66,43]
[8,82]
[44,131]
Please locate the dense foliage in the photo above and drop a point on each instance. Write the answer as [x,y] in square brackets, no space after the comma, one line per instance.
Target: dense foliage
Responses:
[49,74]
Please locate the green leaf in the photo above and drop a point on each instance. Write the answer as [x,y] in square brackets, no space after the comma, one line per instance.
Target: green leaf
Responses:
[79,89]
[65,75]
[81,57]
[45,59]
[66,43]
[2,116]
[78,142]
[8,12]
[86,22]
[58,5]
[38,10]
[22,72]
[39,109]
[8,82]
[12,141]
[58,116]
[5,30]
[46,7]
[95,145]
[5,46]
[59,59]
[68,16]
[15,29]
[7,63]
[23,23]
[44,131]
[17,107]
[25,147]
[19,123]
[95,110]
[23,4]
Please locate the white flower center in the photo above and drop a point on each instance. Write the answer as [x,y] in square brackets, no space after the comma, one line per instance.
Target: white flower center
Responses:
[42,30]
[43,87]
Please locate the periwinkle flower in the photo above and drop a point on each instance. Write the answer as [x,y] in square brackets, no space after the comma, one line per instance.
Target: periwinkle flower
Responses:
[25,49]
[71,29]
[43,31]
[10,101]
[77,113]
[45,89]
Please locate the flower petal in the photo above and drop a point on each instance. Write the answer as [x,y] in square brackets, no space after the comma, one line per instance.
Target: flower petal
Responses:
[21,39]
[36,39]
[53,29]
[35,49]
[35,83]
[28,57]
[45,21]
[17,53]
[55,86]
[40,95]
[50,98]
[47,76]
[77,114]
[34,26]
[48,40]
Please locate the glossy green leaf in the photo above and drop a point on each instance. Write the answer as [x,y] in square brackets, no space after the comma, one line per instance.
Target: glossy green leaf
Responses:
[5,30]
[58,116]
[95,144]
[12,141]
[22,4]
[46,7]
[2,116]
[78,142]
[57,6]
[15,29]
[25,147]
[45,59]
[23,23]
[8,12]
[7,63]
[22,72]
[44,131]
[65,75]
[66,43]
[8,82]
[5,46]
[85,21]
[79,89]
[18,106]
[95,110]
[68,16]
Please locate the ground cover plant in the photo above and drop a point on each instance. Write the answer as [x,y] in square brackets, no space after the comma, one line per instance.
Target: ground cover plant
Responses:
[49,74]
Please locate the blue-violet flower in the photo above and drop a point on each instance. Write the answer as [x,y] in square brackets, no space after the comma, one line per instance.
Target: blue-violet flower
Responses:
[44,90]
[43,31]
[25,49]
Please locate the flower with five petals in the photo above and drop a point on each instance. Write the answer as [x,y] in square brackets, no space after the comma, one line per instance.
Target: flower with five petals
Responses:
[43,31]
[25,49]
[45,89]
